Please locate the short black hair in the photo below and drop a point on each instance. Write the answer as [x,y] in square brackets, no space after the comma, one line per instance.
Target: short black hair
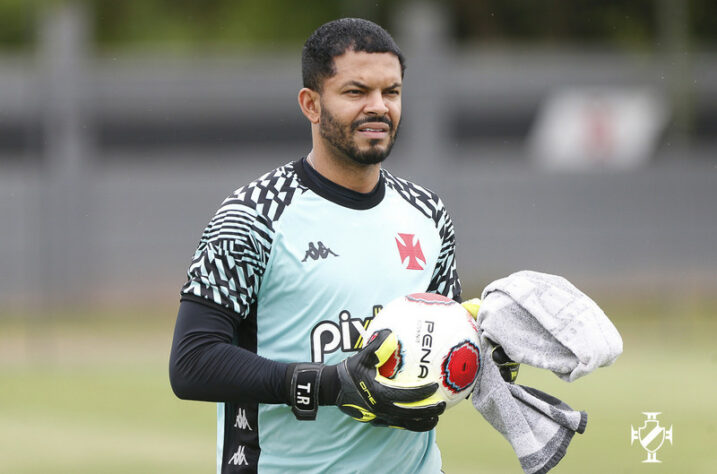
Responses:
[334,38]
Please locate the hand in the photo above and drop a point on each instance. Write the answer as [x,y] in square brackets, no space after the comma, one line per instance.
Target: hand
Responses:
[508,367]
[359,391]
[367,396]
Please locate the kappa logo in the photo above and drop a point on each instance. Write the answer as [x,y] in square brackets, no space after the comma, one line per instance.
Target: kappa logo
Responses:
[239,458]
[651,436]
[241,422]
[317,251]
[407,249]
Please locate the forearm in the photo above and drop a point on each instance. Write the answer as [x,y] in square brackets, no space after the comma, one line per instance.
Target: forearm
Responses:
[205,365]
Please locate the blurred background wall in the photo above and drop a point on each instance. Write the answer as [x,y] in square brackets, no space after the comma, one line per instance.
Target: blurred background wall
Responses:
[577,138]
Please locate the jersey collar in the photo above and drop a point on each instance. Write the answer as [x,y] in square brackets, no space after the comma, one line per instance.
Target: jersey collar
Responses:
[336,193]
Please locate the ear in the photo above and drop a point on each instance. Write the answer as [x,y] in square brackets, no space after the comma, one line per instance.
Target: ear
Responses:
[310,104]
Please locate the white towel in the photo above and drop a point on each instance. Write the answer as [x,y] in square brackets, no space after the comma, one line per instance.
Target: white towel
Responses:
[543,321]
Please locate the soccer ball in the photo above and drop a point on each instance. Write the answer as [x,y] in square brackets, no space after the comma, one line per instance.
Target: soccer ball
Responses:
[437,342]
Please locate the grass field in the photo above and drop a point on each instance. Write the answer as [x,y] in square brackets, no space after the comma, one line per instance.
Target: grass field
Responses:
[91,395]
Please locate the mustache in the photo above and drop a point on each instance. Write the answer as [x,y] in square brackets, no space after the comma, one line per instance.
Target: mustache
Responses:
[355,125]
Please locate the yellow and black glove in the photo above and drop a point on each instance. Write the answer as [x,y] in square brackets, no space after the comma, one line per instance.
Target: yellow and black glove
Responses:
[362,393]
[508,367]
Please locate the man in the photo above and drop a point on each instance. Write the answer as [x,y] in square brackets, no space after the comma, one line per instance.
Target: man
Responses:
[292,268]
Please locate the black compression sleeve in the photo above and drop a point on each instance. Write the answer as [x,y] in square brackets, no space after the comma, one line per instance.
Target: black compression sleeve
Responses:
[205,365]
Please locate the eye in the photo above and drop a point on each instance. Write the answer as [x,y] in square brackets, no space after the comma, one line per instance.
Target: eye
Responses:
[353,92]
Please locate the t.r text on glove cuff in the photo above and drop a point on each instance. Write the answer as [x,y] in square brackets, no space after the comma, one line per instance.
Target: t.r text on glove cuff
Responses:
[304,390]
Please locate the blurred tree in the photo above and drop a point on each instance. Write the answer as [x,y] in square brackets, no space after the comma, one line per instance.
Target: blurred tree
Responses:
[626,23]
[703,18]
[618,23]
[185,24]
[17,21]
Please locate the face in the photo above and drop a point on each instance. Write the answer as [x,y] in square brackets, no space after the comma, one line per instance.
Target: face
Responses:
[361,106]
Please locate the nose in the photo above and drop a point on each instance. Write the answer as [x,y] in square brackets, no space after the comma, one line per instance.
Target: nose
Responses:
[376,104]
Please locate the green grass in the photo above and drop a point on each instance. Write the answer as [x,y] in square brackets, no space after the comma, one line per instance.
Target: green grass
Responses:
[92,395]
[119,419]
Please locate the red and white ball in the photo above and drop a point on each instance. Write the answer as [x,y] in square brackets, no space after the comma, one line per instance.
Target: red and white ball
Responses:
[438,342]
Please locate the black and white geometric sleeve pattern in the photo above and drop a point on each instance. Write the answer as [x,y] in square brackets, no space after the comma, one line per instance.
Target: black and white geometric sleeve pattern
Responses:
[445,279]
[232,254]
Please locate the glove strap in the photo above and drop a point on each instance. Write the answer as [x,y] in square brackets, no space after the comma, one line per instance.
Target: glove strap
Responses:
[304,393]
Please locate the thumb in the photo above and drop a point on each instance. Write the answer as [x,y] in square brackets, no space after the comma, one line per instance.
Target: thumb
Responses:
[383,344]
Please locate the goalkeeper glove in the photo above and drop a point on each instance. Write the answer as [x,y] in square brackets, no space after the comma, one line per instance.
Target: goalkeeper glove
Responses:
[357,389]
[508,367]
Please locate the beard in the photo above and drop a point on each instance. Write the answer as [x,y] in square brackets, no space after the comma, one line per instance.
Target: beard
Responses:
[341,138]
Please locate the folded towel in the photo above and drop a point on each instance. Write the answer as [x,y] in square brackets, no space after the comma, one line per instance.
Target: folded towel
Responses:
[543,321]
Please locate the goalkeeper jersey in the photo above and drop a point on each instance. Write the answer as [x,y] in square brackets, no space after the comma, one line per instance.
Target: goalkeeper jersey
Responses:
[304,265]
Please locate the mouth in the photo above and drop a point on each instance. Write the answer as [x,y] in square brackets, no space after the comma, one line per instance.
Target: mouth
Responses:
[373,130]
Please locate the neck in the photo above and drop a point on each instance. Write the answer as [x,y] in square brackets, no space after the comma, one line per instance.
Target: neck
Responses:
[343,171]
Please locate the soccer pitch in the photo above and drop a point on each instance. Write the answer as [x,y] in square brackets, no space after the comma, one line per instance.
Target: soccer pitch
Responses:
[92,395]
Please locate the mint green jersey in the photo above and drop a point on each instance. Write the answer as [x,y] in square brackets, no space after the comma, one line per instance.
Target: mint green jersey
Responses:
[305,265]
